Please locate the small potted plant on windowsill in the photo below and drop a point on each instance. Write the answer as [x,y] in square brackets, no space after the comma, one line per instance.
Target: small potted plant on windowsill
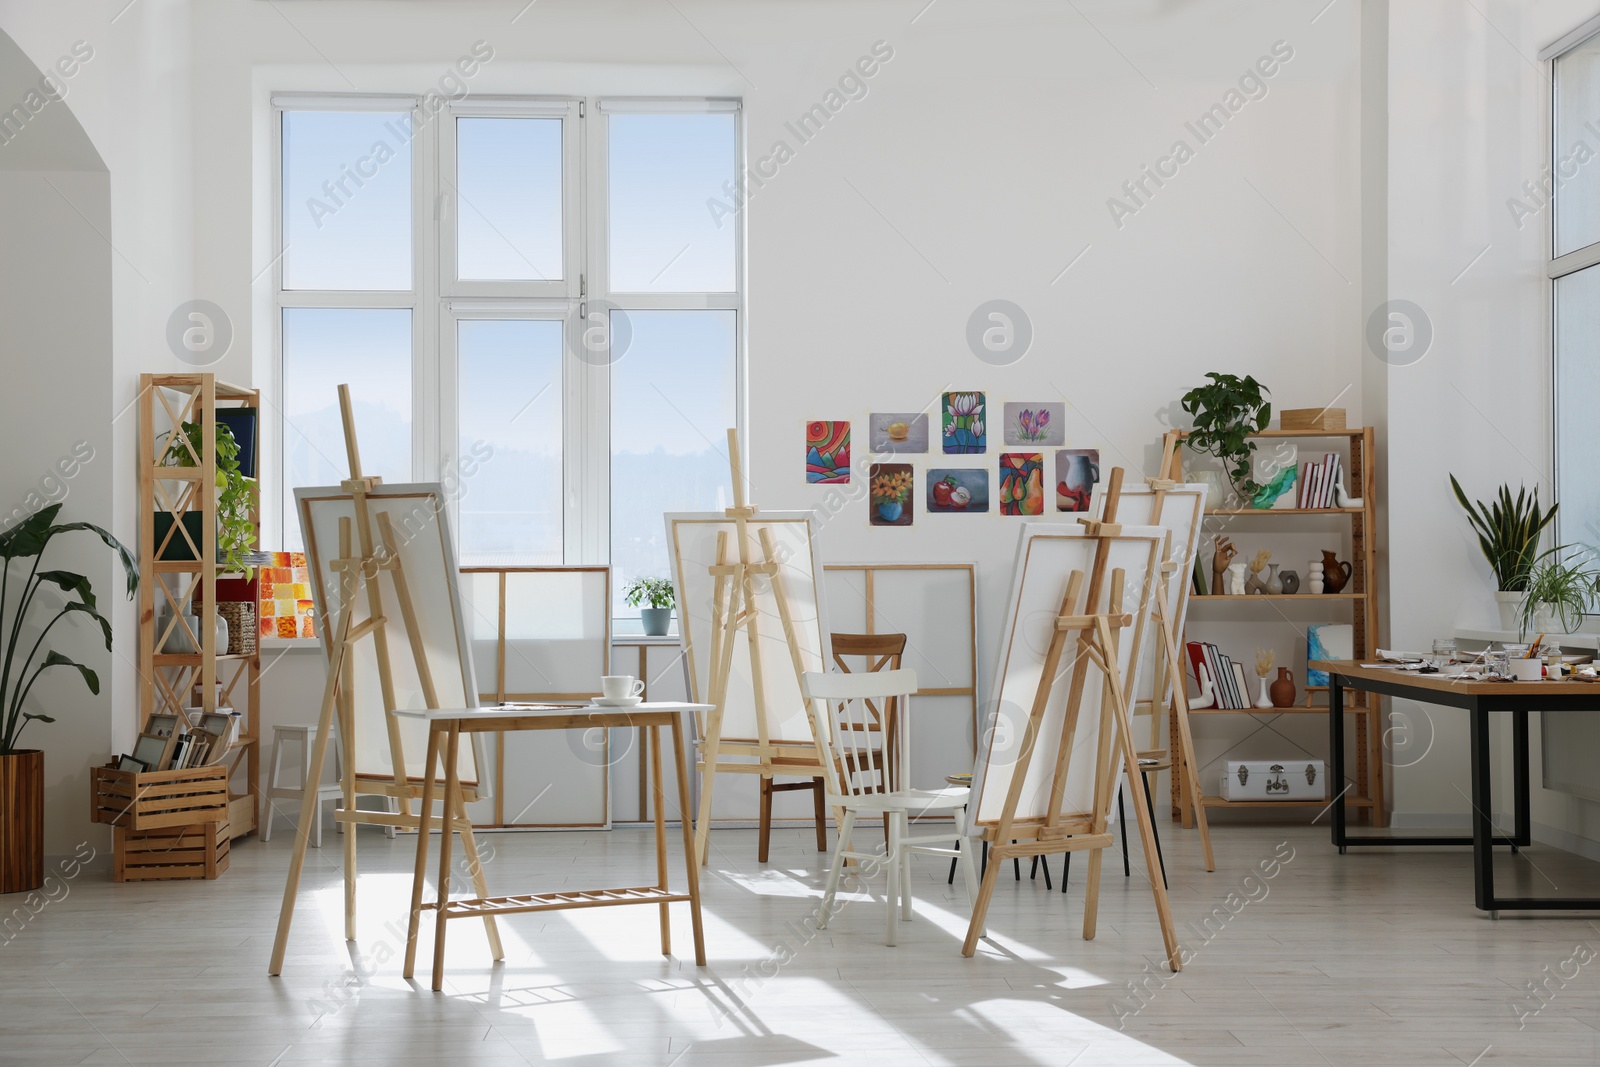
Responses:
[657,594]
[1508,532]
[1560,590]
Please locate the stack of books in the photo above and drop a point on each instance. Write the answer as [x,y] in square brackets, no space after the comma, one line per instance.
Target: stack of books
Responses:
[1317,481]
[1228,680]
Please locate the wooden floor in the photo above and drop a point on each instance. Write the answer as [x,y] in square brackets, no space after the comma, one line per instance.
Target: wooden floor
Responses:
[1371,958]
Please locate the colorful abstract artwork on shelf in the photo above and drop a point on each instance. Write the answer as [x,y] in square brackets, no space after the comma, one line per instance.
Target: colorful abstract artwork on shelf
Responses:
[285,608]
[1021,483]
[1077,473]
[1275,470]
[1328,641]
[827,452]
[957,491]
[963,422]
[1036,424]
[893,486]
[898,433]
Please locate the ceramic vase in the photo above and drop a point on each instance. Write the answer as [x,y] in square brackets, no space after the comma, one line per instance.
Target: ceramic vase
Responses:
[1290,580]
[1314,577]
[1274,583]
[1282,691]
[1264,700]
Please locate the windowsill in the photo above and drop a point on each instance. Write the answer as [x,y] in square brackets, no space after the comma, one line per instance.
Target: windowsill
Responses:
[289,644]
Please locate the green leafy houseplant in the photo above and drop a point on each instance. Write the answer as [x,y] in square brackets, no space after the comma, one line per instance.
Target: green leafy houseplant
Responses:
[1225,411]
[655,592]
[27,541]
[235,497]
[1559,591]
[1508,532]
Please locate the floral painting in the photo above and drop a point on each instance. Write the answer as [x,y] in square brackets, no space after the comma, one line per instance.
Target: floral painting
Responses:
[827,452]
[1021,483]
[898,433]
[957,492]
[963,424]
[891,494]
[1077,473]
[284,608]
[1036,424]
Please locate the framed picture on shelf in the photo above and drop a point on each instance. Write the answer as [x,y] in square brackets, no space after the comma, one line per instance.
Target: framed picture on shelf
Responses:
[149,750]
[128,763]
[161,725]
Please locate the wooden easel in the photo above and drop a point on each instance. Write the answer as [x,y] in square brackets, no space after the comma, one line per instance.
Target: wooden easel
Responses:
[359,572]
[1097,643]
[732,610]
[1167,685]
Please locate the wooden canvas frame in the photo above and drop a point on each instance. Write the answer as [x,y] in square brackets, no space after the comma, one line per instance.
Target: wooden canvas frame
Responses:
[1079,580]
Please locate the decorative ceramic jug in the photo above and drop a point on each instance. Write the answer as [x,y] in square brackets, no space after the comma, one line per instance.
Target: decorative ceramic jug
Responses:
[1282,690]
[1336,572]
[1290,580]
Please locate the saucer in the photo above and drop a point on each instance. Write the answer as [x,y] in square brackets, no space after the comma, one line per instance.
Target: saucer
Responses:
[618,702]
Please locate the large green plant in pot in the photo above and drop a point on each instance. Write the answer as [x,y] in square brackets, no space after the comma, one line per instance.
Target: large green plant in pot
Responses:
[1509,530]
[1226,412]
[27,622]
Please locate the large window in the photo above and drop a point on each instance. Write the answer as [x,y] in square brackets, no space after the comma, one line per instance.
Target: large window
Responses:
[535,302]
[1574,224]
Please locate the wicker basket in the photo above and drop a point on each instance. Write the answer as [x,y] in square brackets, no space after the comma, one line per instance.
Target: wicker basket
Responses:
[241,616]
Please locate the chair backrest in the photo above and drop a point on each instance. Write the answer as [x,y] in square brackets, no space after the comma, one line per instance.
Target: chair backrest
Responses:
[840,714]
[880,652]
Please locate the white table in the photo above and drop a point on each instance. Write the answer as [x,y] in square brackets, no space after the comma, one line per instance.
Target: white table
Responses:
[445,727]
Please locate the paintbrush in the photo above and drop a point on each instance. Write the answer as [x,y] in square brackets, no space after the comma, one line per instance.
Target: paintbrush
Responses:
[1533,649]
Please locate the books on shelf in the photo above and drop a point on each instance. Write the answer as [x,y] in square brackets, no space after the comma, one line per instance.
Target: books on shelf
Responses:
[1229,682]
[1317,481]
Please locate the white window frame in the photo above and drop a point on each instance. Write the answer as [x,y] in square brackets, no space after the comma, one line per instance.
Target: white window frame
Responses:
[438,301]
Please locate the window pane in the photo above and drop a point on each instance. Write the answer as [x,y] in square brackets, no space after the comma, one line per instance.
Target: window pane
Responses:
[1577,382]
[508,184]
[509,458]
[1577,175]
[672,222]
[368,349]
[346,200]
[672,401]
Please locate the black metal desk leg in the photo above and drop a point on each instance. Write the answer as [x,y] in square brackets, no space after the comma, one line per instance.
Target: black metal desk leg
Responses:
[1523,832]
[1482,805]
[1336,756]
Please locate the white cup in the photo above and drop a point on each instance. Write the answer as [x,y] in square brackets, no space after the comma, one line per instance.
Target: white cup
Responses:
[621,686]
[1527,670]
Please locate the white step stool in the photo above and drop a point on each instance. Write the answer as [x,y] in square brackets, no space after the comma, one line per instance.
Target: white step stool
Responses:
[302,734]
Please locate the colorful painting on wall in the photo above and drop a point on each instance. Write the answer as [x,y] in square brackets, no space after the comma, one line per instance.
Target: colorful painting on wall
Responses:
[1077,473]
[892,496]
[963,424]
[285,608]
[1021,483]
[954,491]
[1036,424]
[900,433]
[827,452]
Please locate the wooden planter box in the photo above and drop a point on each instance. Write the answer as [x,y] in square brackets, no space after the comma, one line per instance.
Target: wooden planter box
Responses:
[157,800]
[172,852]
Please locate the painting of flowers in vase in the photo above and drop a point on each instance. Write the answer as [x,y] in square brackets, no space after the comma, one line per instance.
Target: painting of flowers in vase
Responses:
[827,452]
[1021,483]
[1035,424]
[891,494]
[963,424]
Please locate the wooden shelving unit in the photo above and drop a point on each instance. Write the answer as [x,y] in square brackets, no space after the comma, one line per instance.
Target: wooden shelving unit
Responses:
[1361,599]
[167,678]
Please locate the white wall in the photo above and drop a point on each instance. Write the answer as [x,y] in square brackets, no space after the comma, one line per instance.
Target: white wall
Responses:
[977,167]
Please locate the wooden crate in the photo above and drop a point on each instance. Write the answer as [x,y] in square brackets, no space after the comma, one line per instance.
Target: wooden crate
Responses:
[156,799]
[170,852]
[1312,418]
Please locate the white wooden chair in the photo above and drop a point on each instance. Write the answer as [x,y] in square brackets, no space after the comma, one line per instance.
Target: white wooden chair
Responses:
[858,783]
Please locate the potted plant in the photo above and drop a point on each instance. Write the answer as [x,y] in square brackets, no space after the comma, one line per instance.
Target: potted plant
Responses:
[657,593]
[1508,532]
[235,499]
[21,769]
[1225,411]
[1559,591]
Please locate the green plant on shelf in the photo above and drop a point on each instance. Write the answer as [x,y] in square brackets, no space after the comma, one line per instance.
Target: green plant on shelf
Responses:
[649,592]
[1225,413]
[236,532]
[1508,532]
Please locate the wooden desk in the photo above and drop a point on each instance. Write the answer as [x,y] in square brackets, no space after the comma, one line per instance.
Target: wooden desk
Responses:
[445,727]
[644,643]
[1480,699]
